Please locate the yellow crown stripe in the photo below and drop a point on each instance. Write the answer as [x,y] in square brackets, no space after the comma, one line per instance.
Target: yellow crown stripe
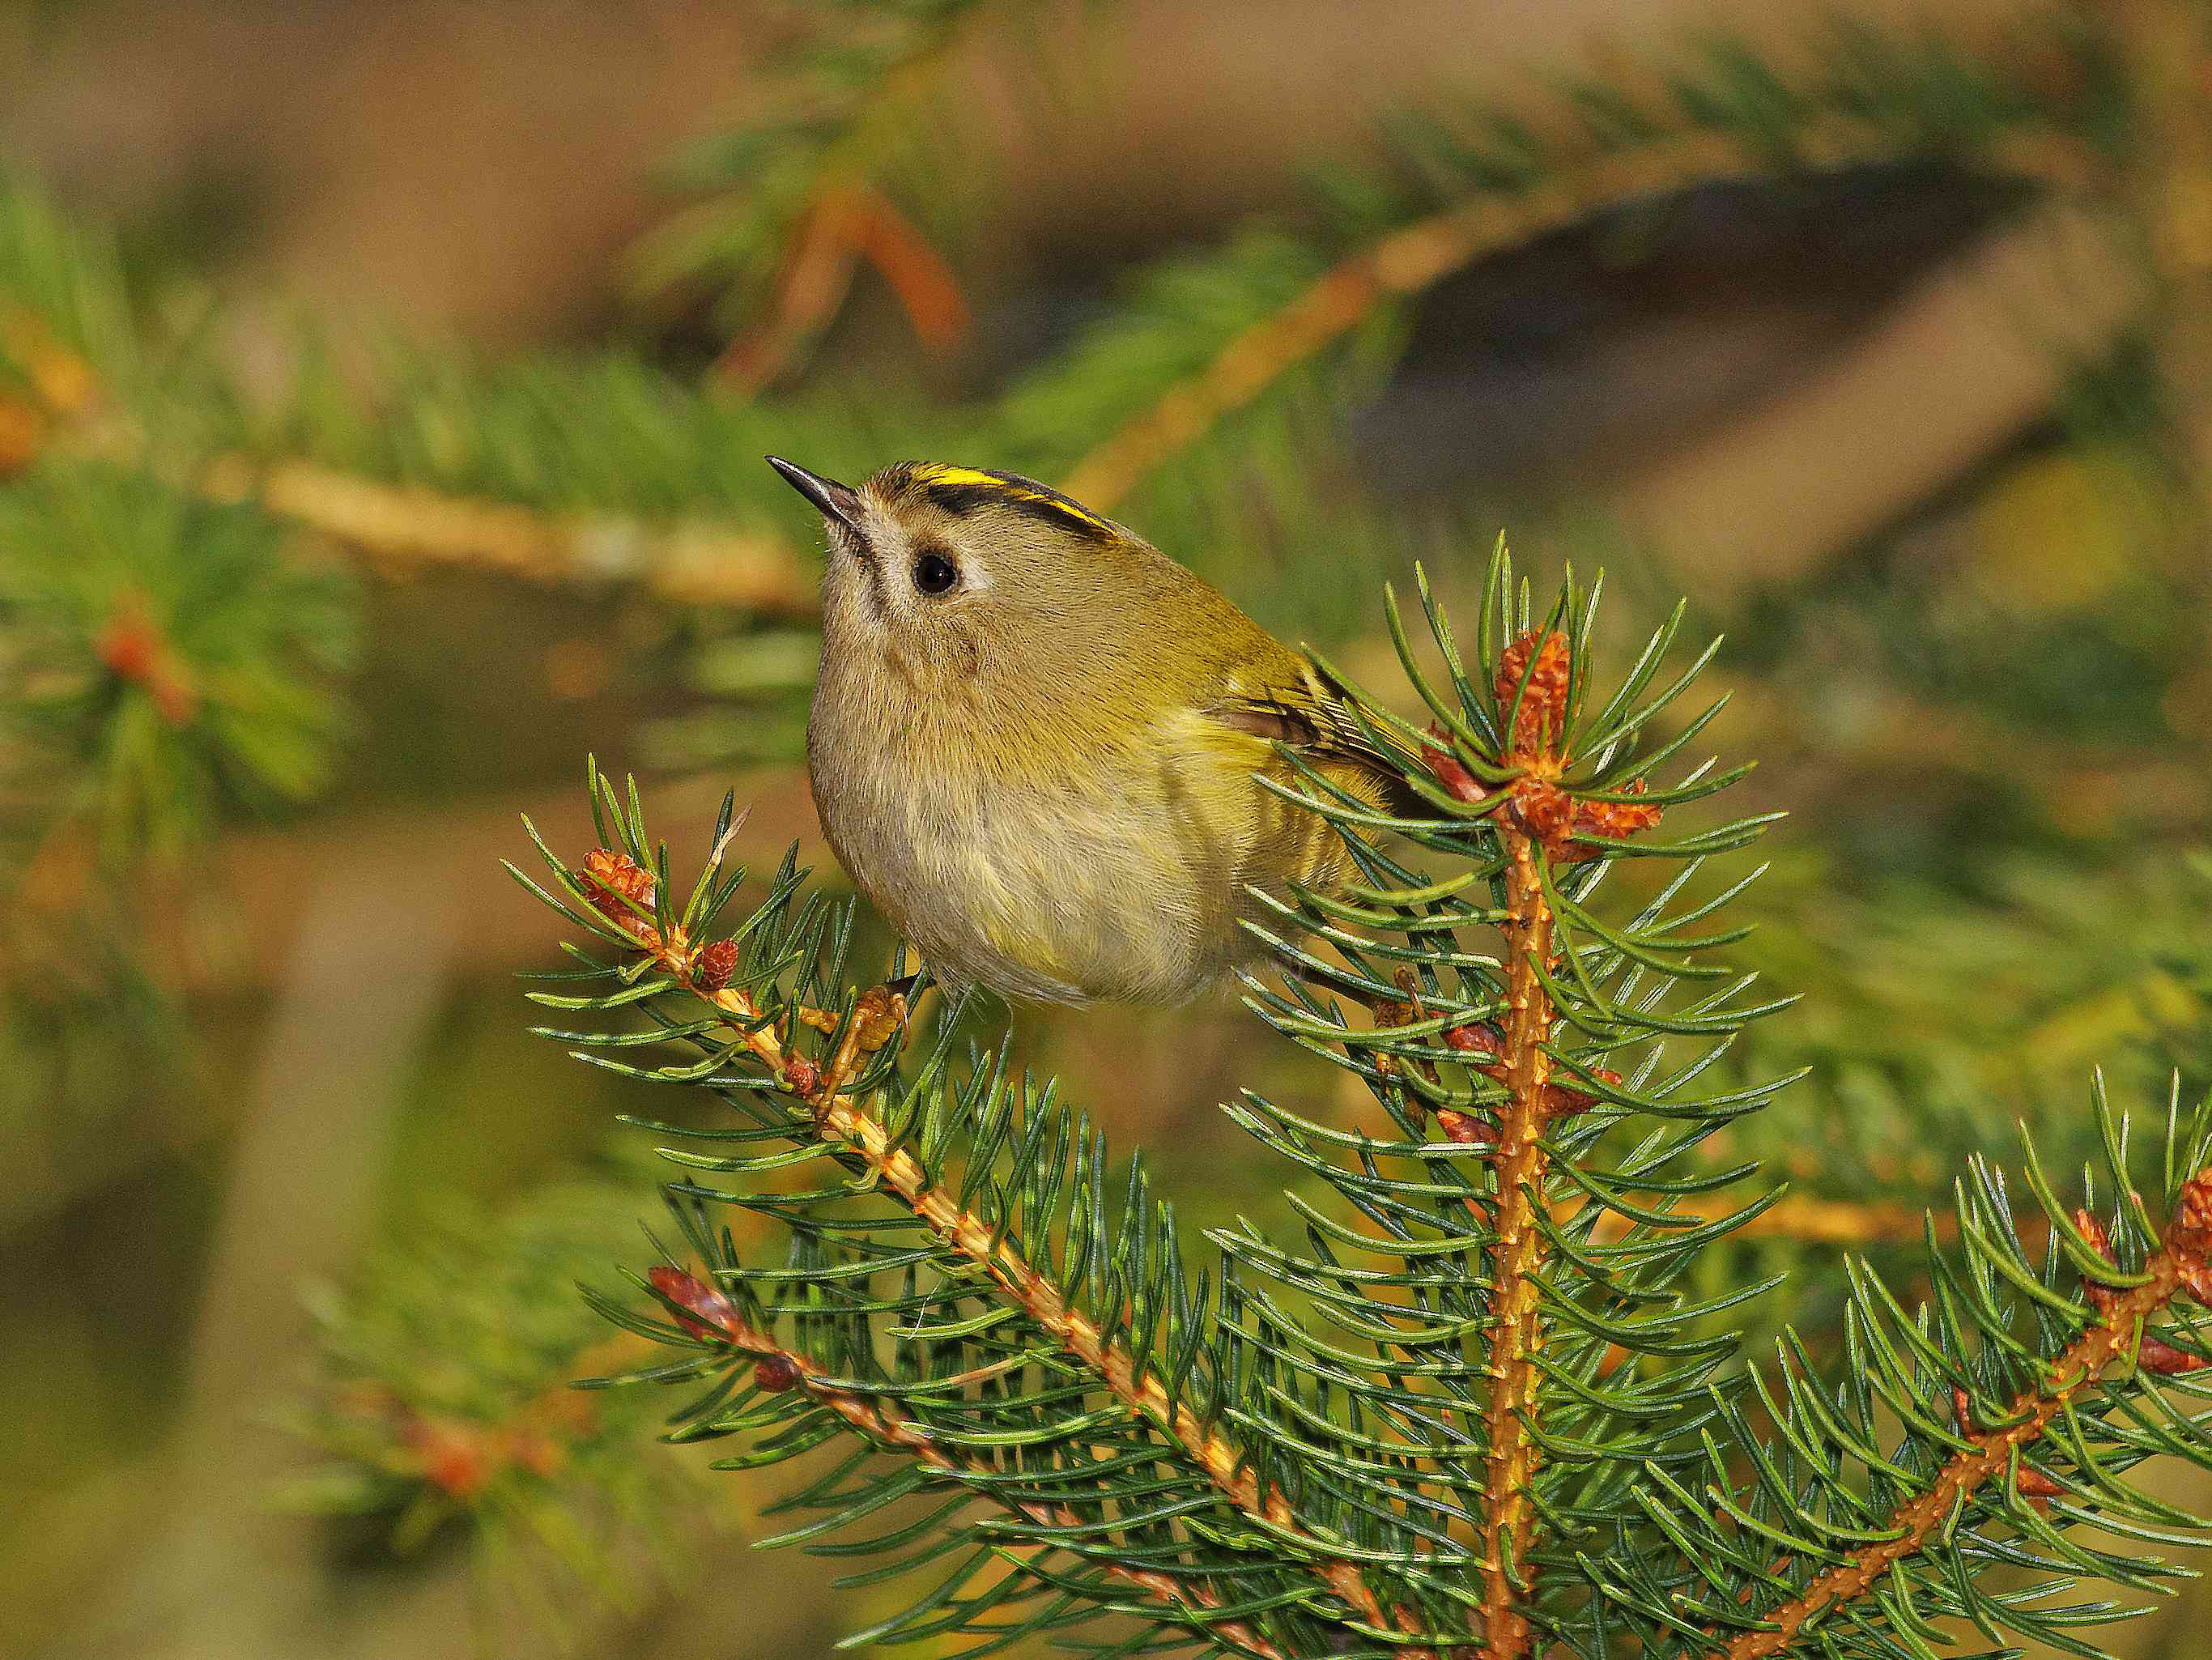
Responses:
[1067,507]
[938,473]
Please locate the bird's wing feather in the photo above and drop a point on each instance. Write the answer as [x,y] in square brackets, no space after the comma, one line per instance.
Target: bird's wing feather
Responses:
[1305,714]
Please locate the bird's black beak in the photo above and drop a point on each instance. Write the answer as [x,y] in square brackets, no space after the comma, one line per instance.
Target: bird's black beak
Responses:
[832,500]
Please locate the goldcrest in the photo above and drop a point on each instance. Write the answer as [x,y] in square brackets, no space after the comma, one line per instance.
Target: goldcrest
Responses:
[1035,738]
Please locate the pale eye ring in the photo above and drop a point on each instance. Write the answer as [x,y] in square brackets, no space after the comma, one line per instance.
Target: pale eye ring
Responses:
[934,574]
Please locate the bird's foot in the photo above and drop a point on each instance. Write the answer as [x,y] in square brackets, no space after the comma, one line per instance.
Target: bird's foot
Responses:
[877,1017]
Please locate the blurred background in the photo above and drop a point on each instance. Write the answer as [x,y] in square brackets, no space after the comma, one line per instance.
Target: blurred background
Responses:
[382,394]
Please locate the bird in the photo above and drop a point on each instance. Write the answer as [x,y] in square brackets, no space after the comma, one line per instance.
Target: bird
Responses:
[1036,742]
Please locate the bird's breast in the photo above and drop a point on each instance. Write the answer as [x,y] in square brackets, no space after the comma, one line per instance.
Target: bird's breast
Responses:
[1120,879]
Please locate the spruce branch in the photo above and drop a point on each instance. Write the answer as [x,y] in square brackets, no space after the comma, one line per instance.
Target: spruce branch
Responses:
[588,471]
[1489,1402]
[625,893]
[445,1396]
[407,526]
[1532,786]
[165,663]
[1995,1451]
[1531,686]
[708,1315]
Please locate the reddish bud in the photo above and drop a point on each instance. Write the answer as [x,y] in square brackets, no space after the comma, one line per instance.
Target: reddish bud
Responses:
[1479,1038]
[713,1312]
[2189,1235]
[619,874]
[1616,820]
[2197,1277]
[610,878]
[1541,723]
[1450,771]
[128,645]
[1548,814]
[2156,1355]
[1565,1098]
[1462,1126]
[776,1371]
[800,1075]
[2100,1296]
[452,1458]
[131,648]
[716,964]
[2087,1224]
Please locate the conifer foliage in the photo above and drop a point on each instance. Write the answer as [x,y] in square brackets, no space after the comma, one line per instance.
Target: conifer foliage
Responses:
[1482,1405]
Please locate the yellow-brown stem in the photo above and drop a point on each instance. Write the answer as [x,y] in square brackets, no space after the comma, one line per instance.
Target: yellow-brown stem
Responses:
[885,1425]
[406,524]
[839,1116]
[1510,1466]
[405,527]
[1987,1459]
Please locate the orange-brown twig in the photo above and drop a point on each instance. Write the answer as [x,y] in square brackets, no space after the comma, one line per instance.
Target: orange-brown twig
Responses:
[1408,260]
[1538,819]
[846,1120]
[845,218]
[2185,1263]
[881,1422]
[1509,1466]
[845,224]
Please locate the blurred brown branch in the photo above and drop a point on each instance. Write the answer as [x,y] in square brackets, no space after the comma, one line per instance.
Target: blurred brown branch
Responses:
[1409,260]
[2168,44]
[1834,456]
[688,564]
[844,219]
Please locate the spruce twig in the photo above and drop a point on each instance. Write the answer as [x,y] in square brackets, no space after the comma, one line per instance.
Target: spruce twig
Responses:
[842,1118]
[778,1367]
[1995,1453]
[1509,1522]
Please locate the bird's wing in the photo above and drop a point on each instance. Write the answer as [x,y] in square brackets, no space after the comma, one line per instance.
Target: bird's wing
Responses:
[1302,711]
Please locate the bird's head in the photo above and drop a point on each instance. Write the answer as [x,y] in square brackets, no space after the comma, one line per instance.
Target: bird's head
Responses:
[948,571]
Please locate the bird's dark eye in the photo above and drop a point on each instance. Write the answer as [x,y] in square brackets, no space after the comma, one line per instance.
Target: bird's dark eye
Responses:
[934,574]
